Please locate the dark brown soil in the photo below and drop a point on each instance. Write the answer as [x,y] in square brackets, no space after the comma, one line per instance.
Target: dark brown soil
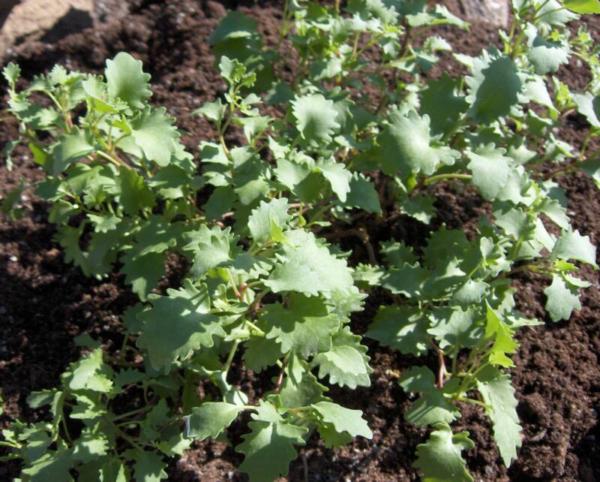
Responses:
[45,303]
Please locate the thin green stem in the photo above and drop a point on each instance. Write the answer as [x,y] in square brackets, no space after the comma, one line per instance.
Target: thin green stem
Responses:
[66,429]
[125,423]
[9,444]
[64,112]
[224,146]
[255,328]
[445,177]
[472,401]
[480,368]
[8,457]
[128,439]
[54,100]
[586,144]
[319,213]
[511,35]
[281,377]
[299,409]
[130,413]
[561,170]
[465,385]
[516,248]
[469,377]
[108,157]
[355,46]
[539,9]
[454,363]
[369,44]
[123,345]
[283,31]
[230,356]
[474,270]
[549,12]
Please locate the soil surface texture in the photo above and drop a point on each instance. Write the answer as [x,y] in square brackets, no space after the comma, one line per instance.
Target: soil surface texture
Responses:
[45,303]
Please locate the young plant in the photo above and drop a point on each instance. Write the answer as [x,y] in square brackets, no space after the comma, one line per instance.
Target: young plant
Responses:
[123,193]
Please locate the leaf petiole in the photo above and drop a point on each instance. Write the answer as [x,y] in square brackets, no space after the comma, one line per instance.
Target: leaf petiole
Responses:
[446,177]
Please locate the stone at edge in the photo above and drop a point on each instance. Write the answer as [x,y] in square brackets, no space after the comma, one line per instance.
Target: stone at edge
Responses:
[24,21]
[493,12]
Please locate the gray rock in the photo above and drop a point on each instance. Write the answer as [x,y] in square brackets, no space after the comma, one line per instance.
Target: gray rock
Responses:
[494,12]
[32,19]
[50,20]
[107,10]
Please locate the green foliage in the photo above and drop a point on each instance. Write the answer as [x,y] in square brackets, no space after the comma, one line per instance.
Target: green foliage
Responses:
[269,447]
[501,404]
[210,419]
[583,6]
[340,424]
[316,117]
[125,80]
[306,266]
[175,326]
[440,458]
[260,288]
[405,147]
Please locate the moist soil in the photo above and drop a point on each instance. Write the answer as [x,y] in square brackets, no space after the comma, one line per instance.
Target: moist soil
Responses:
[45,303]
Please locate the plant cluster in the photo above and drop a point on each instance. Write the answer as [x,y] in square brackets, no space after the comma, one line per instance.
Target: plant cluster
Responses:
[359,130]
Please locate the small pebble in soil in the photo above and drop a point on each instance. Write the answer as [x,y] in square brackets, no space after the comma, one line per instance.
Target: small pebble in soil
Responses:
[215,9]
[489,471]
[4,351]
[14,259]
[538,437]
